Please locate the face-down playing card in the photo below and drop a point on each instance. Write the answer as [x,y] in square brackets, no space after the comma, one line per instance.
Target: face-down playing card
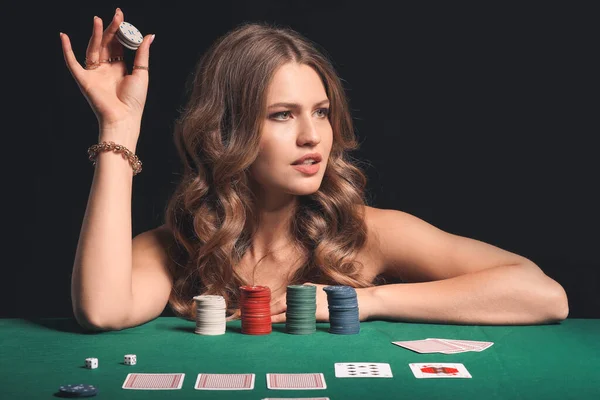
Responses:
[296,398]
[296,381]
[429,346]
[225,382]
[153,381]
[466,345]
[444,346]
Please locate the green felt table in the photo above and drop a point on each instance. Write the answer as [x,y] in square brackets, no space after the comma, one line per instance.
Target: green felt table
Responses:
[559,361]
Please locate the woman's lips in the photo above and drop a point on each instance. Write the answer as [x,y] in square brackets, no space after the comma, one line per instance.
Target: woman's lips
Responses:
[309,169]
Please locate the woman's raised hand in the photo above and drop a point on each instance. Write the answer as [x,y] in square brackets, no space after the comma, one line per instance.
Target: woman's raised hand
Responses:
[116,97]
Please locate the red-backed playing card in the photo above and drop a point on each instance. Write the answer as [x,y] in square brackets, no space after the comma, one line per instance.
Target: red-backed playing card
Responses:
[468,345]
[296,398]
[428,345]
[153,381]
[225,382]
[296,381]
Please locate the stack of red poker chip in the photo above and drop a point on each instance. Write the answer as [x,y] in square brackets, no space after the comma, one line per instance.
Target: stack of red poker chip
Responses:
[255,307]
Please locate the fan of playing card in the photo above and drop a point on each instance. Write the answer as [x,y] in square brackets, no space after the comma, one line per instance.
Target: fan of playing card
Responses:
[444,346]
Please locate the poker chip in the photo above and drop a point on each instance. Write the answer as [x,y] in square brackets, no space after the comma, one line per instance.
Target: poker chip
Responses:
[343,310]
[129,36]
[79,390]
[301,301]
[255,308]
[210,315]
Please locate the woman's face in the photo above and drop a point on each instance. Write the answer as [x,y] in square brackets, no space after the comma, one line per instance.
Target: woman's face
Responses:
[293,130]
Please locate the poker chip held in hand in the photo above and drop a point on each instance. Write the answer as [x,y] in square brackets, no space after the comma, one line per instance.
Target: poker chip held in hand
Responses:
[301,301]
[129,36]
[343,310]
[255,308]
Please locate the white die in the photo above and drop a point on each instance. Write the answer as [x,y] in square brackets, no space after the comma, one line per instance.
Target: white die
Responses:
[91,363]
[130,359]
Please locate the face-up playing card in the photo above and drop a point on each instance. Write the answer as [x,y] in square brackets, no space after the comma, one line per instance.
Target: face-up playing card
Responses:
[439,370]
[296,381]
[363,370]
[224,382]
[153,381]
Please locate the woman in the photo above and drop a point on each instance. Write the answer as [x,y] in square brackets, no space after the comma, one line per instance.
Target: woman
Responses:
[269,196]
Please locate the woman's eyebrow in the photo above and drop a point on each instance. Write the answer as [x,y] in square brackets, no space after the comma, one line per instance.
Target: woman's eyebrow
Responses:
[296,105]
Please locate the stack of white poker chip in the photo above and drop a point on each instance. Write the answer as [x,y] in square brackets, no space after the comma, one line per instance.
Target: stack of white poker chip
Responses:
[129,36]
[210,315]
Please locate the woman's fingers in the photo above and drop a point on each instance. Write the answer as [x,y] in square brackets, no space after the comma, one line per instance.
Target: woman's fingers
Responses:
[110,46]
[72,64]
[278,319]
[92,54]
[278,309]
[235,316]
[142,57]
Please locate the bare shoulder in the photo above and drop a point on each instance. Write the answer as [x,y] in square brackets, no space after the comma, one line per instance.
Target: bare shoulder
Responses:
[414,250]
[383,221]
[370,255]
[154,243]
[380,224]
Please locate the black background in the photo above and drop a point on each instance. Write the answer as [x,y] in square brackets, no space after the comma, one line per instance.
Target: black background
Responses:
[480,119]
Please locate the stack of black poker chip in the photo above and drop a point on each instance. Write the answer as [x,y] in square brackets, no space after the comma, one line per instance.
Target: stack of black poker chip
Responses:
[343,310]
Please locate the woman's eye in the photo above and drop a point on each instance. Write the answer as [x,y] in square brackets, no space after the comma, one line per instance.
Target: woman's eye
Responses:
[325,111]
[283,115]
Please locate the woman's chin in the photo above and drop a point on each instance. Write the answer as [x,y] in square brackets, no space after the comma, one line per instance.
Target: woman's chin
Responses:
[305,189]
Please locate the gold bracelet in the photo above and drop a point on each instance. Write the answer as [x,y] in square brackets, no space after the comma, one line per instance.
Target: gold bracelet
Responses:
[134,161]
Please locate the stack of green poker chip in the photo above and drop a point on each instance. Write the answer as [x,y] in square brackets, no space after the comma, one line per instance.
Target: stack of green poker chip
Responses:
[300,316]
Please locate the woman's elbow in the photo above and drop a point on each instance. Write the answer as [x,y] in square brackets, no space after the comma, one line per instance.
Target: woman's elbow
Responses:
[558,304]
[93,323]
[551,303]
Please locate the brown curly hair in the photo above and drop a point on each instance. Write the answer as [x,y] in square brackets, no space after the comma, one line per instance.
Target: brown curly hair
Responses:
[211,214]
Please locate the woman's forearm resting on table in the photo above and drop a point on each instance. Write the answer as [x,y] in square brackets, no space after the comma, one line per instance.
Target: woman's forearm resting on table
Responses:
[505,295]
